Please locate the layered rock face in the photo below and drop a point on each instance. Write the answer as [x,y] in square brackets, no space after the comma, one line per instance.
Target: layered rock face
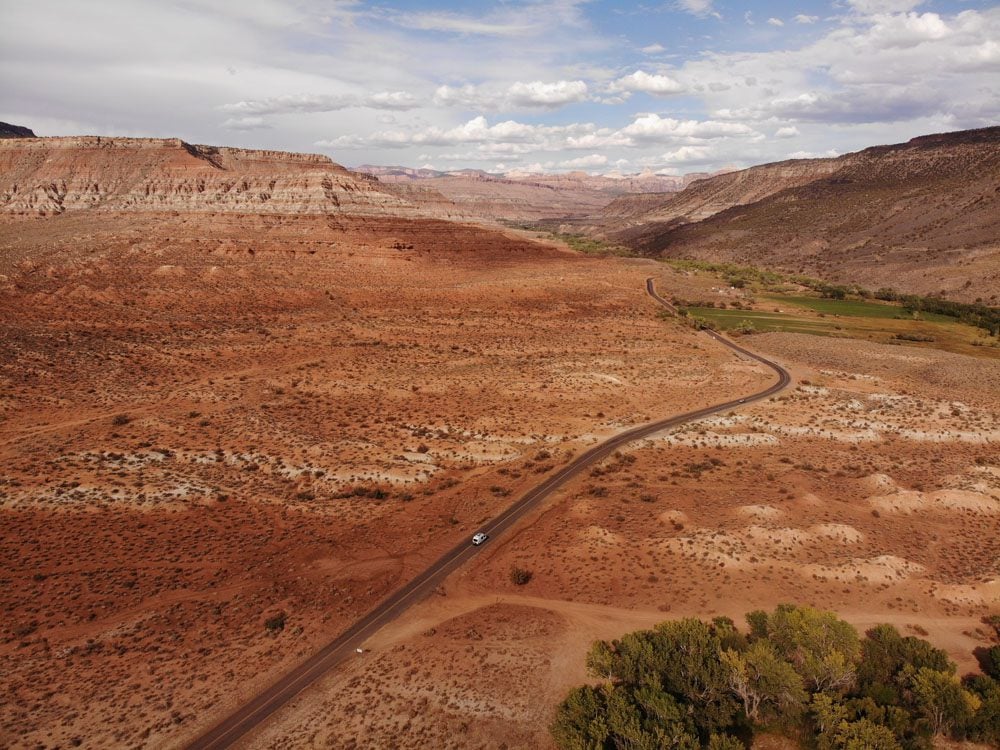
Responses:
[706,197]
[527,196]
[48,176]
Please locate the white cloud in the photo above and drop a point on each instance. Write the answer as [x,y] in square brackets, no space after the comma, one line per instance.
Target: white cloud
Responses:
[775,22]
[857,106]
[392,100]
[529,18]
[211,71]
[688,155]
[458,24]
[698,7]
[467,96]
[539,94]
[658,85]
[872,7]
[245,123]
[400,100]
[476,130]
[653,128]
[511,136]
[828,154]
[874,70]
[789,131]
[583,162]
[519,95]
[908,30]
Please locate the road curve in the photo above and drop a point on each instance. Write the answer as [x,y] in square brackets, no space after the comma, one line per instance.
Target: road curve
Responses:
[243,719]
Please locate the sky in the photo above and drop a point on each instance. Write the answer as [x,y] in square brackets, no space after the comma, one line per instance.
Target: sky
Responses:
[510,85]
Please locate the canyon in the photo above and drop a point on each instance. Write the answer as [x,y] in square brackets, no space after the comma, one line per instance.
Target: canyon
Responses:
[245,395]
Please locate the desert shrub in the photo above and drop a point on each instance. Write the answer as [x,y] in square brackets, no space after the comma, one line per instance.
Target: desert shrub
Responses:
[276,623]
[724,742]
[832,291]
[520,576]
[991,662]
[992,620]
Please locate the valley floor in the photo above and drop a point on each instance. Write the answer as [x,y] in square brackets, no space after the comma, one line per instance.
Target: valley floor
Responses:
[225,438]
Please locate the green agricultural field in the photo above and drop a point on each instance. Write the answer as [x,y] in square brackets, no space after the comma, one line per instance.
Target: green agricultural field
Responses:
[865,318]
[856,308]
[871,321]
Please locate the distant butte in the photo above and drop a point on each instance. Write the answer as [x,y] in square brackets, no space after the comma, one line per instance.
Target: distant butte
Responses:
[15,131]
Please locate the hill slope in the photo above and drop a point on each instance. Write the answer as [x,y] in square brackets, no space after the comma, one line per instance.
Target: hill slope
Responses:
[923,217]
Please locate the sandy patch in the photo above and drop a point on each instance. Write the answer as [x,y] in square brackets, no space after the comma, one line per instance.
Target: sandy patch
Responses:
[880,569]
[840,532]
[717,440]
[760,512]
[911,501]
[601,535]
[674,518]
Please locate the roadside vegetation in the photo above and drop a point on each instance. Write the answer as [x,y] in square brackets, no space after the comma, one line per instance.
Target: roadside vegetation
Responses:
[591,246]
[575,240]
[768,301]
[930,308]
[799,672]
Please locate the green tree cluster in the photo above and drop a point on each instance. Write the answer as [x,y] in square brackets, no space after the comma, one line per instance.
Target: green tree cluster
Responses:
[691,684]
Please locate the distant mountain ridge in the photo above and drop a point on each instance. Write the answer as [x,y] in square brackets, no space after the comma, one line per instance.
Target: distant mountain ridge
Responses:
[529,196]
[921,216]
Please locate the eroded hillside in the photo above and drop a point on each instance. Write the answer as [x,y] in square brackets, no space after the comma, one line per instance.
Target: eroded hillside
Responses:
[49,176]
[922,217]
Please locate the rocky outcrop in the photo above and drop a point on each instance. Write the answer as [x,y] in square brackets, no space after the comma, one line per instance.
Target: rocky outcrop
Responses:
[47,176]
[15,131]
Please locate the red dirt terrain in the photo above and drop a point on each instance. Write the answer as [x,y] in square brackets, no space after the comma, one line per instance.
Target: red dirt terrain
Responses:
[872,489]
[228,432]
[921,217]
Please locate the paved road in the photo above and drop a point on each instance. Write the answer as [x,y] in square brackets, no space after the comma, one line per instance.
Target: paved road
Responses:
[243,719]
